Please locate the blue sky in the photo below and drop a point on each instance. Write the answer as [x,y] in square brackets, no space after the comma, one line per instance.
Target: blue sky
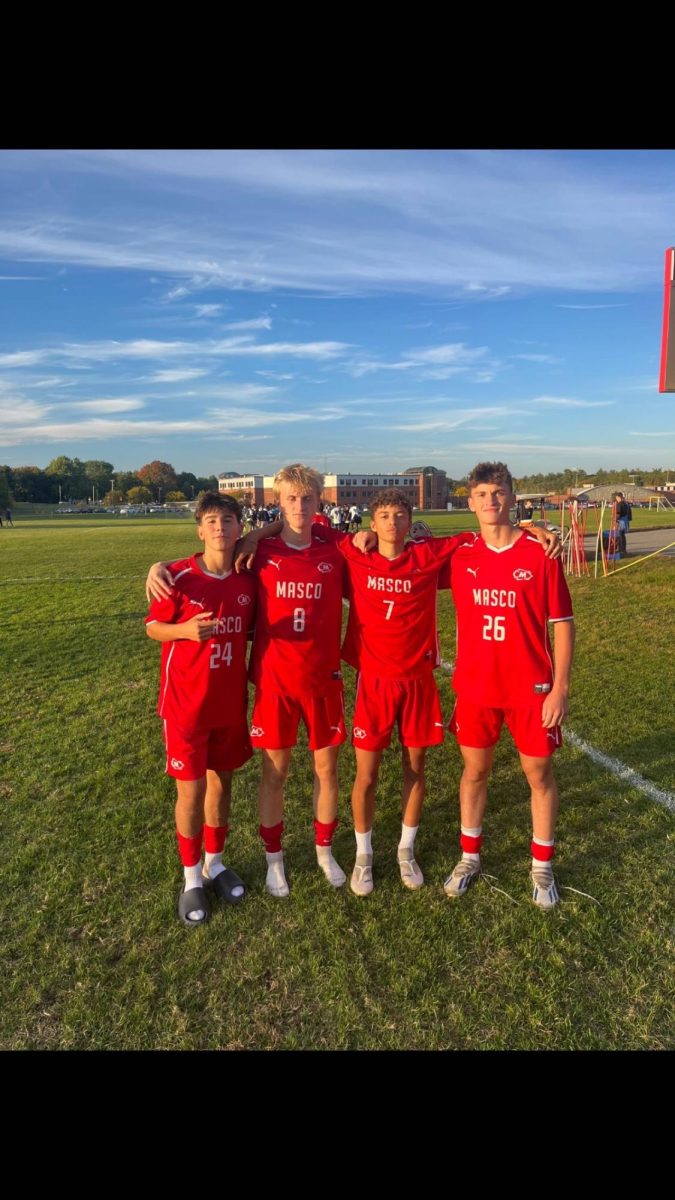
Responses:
[358,310]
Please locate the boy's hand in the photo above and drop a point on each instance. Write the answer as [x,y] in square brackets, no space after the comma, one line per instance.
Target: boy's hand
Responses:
[554,709]
[365,540]
[199,628]
[245,552]
[159,582]
[549,540]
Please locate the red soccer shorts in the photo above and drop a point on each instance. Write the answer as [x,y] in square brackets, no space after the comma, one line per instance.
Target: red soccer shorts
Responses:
[477,726]
[412,704]
[275,720]
[191,752]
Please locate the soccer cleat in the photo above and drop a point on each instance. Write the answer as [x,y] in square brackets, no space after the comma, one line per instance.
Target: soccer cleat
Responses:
[411,876]
[361,881]
[545,891]
[461,878]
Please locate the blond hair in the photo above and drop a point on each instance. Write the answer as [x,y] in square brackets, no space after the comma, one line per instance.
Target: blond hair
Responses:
[299,476]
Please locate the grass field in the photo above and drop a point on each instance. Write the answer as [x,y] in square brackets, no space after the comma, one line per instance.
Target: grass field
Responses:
[93,956]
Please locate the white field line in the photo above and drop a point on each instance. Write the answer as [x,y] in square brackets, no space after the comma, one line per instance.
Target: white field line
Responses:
[613,765]
[68,578]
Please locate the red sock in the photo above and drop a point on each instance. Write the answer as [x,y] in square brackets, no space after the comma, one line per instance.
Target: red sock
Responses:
[470,845]
[271,836]
[190,849]
[543,853]
[214,838]
[323,832]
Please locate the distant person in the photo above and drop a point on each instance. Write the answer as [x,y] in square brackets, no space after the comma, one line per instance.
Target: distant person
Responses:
[624,514]
[8,517]
[204,626]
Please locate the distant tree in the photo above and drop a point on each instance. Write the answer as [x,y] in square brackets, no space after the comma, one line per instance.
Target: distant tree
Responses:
[114,497]
[4,489]
[33,485]
[187,482]
[158,475]
[140,495]
[69,472]
[98,473]
[461,490]
[206,483]
[175,497]
[125,480]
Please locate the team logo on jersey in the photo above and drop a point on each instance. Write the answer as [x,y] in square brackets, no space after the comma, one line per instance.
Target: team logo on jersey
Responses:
[256,731]
[177,764]
[359,733]
[244,599]
[473,571]
[522,574]
[324,567]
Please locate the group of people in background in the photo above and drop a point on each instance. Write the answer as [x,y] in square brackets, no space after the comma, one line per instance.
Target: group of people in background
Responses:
[506,589]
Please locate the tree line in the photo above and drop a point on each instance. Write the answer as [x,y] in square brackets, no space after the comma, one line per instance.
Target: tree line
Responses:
[70,480]
[96,481]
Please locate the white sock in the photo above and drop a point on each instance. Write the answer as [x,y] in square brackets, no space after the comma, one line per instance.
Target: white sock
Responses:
[276,882]
[331,869]
[466,856]
[364,842]
[193,879]
[408,835]
[213,864]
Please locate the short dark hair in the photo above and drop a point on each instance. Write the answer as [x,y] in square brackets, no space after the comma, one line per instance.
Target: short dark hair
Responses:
[217,502]
[490,472]
[393,496]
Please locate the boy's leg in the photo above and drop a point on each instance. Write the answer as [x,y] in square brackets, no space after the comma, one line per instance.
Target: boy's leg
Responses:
[545,802]
[216,826]
[189,832]
[472,802]
[275,764]
[325,800]
[414,787]
[363,811]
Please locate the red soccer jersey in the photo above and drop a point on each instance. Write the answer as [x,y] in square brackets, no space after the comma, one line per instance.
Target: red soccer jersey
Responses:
[504,600]
[203,684]
[297,641]
[392,612]
[320,518]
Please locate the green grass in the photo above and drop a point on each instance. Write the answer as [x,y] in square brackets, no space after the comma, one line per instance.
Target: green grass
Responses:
[93,956]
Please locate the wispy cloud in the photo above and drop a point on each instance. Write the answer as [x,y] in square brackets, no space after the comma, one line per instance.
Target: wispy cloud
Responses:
[254,323]
[175,376]
[538,358]
[590,306]
[565,402]
[207,310]
[103,406]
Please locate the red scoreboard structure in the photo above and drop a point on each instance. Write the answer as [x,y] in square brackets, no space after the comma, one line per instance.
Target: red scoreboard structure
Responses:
[667,372]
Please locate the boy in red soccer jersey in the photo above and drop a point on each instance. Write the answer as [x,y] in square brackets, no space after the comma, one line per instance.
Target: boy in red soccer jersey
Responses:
[391,640]
[295,665]
[203,626]
[505,592]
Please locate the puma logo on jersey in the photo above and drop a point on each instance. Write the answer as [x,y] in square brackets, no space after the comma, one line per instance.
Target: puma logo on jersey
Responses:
[439,723]
[272,563]
[552,734]
[337,728]
[473,571]
[199,603]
